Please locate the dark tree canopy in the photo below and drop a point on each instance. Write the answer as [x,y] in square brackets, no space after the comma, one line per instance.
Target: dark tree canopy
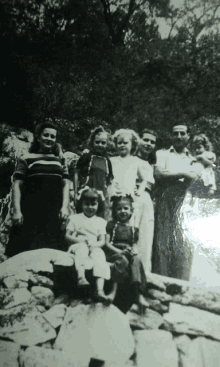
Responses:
[89,62]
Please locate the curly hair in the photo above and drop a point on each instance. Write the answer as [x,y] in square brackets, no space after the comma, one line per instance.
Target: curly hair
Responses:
[94,133]
[35,146]
[132,135]
[116,200]
[203,140]
[90,195]
[152,156]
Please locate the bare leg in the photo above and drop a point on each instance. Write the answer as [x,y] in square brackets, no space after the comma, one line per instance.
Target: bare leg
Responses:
[112,295]
[81,253]
[99,295]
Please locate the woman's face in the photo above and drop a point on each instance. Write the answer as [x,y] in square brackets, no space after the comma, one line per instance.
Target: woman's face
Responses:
[47,140]
[147,144]
[124,145]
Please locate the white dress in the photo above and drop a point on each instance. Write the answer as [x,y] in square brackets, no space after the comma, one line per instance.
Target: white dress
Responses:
[125,171]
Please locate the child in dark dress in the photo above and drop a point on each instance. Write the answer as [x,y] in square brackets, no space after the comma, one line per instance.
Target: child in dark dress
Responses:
[94,168]
[122,250]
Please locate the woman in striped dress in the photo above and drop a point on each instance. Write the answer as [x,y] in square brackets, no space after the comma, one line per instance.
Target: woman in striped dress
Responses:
[40,195]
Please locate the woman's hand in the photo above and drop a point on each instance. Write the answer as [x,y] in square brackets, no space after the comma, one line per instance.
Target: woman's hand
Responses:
[64,213]
[17,218]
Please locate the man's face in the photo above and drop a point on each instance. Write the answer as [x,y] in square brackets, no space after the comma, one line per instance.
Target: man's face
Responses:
[180,136]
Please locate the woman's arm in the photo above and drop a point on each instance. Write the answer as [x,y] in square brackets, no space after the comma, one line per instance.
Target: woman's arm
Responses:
[143,183]
[16,202]
[64,212]
[110,246]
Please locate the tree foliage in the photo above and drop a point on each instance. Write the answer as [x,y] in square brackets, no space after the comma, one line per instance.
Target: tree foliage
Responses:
[86,62]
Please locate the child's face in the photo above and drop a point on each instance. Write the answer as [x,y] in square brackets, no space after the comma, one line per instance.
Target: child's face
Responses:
[90,207]
[199,149]
[100,143]
[124,211]
[124,145]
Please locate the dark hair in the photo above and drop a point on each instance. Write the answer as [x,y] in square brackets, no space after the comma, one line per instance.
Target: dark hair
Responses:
[35,146]
[181,124]
[91,195]
[152,156]
[116,200]
[204,140]
[97,131]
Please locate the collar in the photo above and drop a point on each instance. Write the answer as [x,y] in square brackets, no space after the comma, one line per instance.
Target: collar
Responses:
[173,150]
[139,156]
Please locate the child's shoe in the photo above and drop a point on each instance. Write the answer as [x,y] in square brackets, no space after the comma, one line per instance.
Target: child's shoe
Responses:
[99,296]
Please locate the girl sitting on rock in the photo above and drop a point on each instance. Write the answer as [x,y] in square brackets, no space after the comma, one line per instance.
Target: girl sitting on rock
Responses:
[85,235]
[122,250]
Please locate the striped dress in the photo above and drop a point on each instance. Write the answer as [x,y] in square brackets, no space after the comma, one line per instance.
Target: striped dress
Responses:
[41,202]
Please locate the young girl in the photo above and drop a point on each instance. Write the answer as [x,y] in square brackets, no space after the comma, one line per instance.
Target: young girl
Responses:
[126,167]
[122,250]
[203,150]
[94,168]
[86,236]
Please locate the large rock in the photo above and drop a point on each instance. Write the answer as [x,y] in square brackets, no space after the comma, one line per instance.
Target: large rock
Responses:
[37,261]
[55,315]
[192,321]
[149,319]
[161,296]
[31,331]
[9,353]
[19,296]
[39,357]
[43,296]
[183,343]
[96,331]
[155,348]
[203,353]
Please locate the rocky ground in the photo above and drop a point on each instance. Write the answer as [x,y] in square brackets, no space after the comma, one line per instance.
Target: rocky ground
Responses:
[45,322]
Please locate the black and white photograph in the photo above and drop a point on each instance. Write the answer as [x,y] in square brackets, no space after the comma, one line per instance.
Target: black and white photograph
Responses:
[110,183]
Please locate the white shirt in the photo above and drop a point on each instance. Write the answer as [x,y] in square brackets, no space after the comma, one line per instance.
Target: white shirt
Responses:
[125,171]
[170,160]
[93,226]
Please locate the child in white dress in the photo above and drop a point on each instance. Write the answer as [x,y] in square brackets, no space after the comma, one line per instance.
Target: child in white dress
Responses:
[86,235]
[204,155]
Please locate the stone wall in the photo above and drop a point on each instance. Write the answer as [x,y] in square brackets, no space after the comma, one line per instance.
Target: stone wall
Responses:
[46,321]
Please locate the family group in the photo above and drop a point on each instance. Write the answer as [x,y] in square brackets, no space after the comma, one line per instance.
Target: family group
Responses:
[124,225]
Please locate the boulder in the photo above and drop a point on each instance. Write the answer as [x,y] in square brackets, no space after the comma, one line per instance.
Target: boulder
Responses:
[43,296]
[13,282]
[19,296]
[96,331]
[161,296]
[149,319]
[203,353]
[38,357]
[192,321]
[30,331]
[155,348]
[36,261]
[9,353]
[183,343]
[55,315]
[156,305]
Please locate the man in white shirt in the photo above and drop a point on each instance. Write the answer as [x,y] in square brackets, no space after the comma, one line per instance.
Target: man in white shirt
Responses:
[173,173]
